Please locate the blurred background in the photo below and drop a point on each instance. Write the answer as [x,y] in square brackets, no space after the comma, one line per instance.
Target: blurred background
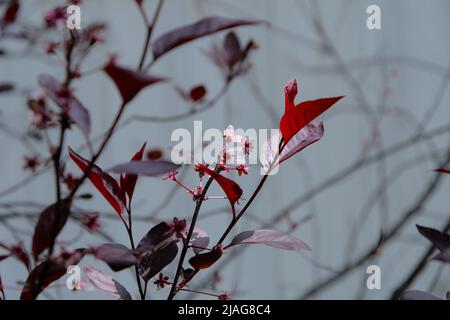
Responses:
[370,177]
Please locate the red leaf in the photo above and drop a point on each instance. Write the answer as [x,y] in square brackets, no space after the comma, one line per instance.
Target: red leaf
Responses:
[11,13]
[104,183]
[129,82]
[232,190]
[154,154]
[50,223]
[131,179]
[201,28]
[443,170]
[206,260]
[297,117]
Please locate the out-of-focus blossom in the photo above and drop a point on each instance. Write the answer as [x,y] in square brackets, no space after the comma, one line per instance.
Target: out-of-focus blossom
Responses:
[91,223]
[161,281]
[70,181]
[92,34]
[52,17]
[50,47]
[224,296]
[41,116]
[178,227]
[32,162]
[171,176]
[231,57]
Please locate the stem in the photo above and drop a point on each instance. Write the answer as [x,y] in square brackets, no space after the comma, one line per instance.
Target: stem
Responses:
[142,292]
[150,27]
[57,171]
[57,161]
[241,213]
[122,107]
[173,290]
[255,193]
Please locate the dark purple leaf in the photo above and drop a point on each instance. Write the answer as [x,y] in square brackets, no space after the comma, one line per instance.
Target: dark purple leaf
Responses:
[157,236]
[439,239]
[129,82]
[145,167]
[270,238]
[105,283]
[313,132]
[6,87]
[50,223]
[153,261]
[204,27]
[49,271]
[117,256]
[207,259]
[296,117]
[232,49]
[443,256]
[79,115]
[418,295]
